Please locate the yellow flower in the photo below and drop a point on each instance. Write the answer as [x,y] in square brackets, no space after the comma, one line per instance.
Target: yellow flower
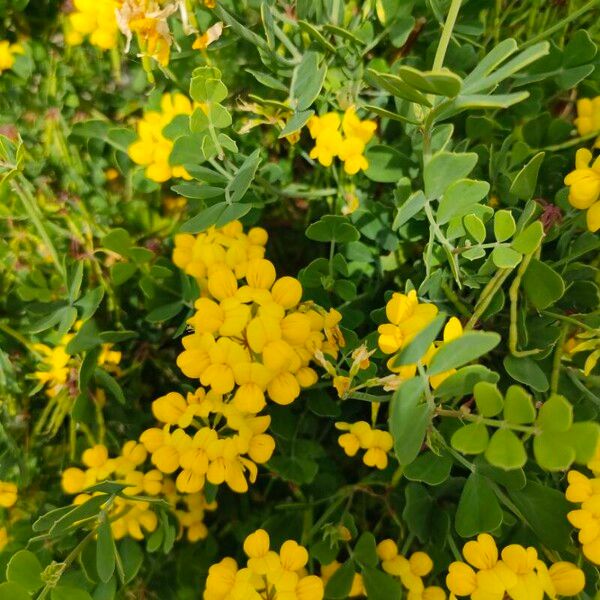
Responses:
[212,34]
[406,316]
[584,187]
[95,19]
[452,330]
[7,54]
[588,116]
[357,588]
[376,442]
[8,494]
[152,148]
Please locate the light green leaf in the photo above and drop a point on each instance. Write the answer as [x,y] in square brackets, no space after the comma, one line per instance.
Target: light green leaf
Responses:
[471,439]
[25,569]
[460,197]
[332,228]
[488,399]
[505,257]
[518,406]
[506,450]
[504,225]
[464,349]
[445,168]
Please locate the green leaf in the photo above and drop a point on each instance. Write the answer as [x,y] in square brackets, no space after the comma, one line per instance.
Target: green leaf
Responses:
[379,585]
[545,510]
[90,508]
[418,346]
[488,399]
[132,558]
[409,420]
[506,450]
[505,257]
[478,508]
[555,415]
[296,122]
[463,382]
[492,60]
[504,225]
[475,228]
[429,468]
[25,569]
[338,586]
[386,164]
[464,349]
[307,80]
[219,214]
[584,438]
[440,83]
[445,168]
[332,228]
[388,114]
[524,184]
[529,239]
[110,384]
[413,205]
[542,284]
[471,439]
[518,406]
[238,186]
[47,520]
[13,591]
[526,370]
[396,86]
[105,552]
[65,592]
[316,35]
[460,197]
[365,553]
[474,84]
[551,453]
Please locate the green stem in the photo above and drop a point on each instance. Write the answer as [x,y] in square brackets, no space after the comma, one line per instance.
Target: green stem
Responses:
[572,321]
[459,414]
[556,362]
[440,53]
[487,294]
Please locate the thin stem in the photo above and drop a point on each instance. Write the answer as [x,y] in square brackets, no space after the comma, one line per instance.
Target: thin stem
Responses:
[459,414]
[556,362]
[487,295]
[440,53]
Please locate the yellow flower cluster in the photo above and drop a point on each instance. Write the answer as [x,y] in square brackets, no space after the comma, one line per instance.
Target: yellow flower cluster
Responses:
[407,317]
[516,572]
[252,339]
[152,148]
[96,20]
[7,54]
[410,571]
[360,436]
[57,365]
[588,117]
[268,575]
[135,516]
[584,187]
[348,144]
[585,491]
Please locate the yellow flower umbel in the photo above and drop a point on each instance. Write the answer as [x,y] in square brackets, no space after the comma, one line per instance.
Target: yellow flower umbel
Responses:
[268,574]
[588,117]
[152,148]
[360,436]
[7,54]
[95,20]
[516,572]
[253,339]
[348,145]
[584,187]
